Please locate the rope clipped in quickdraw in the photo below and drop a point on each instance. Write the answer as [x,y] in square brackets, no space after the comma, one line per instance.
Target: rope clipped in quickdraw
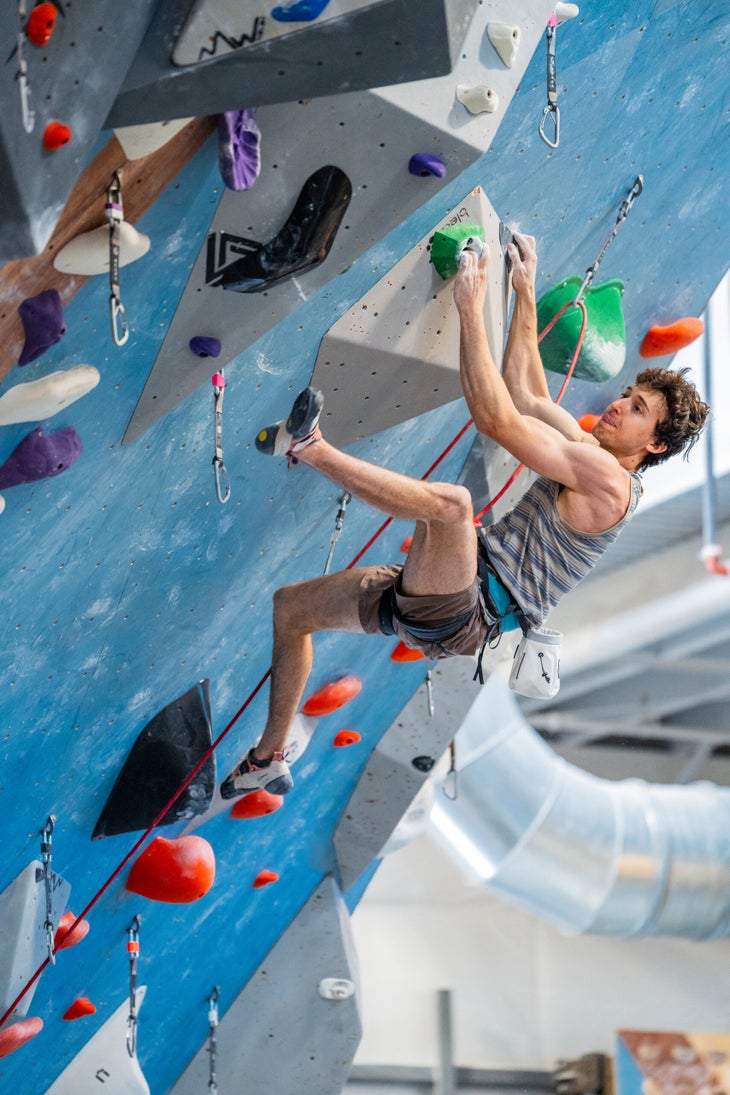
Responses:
[46,853]
[339,522]
[133,952]
[115,215]
[623,212]
[21,75]
[212,1044]
[222,484]
[551,110]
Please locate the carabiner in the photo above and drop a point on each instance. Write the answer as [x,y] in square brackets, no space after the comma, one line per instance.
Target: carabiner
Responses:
[222,482]
[27,113]
[555,112]
[133,951]
[119,325]
[46,852]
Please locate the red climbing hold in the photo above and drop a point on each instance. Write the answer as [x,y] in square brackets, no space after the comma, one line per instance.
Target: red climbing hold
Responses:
[263,878]
[406,545]
[346,737]
[667,340]
[334,695]
[176,871]
[256,804]
[587,422]
[64,937]
[56,135]
[18,1034]
[80,1007]
[41,22]
[403,653]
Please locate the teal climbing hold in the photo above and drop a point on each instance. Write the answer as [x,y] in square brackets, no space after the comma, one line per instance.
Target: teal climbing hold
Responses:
[603,352]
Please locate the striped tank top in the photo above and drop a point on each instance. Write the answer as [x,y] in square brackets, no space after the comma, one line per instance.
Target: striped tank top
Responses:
[538,556]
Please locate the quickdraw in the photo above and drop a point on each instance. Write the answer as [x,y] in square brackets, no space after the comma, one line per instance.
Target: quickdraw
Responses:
[450,785]
[212,1044]
[22,74]
[623,212]
[429,692]
[222,483]
[339,522]
[46,853]
[133,952]
[115,215]
[551,110]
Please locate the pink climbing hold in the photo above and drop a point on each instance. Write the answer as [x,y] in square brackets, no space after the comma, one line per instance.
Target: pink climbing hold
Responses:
[175,871]
[66,936]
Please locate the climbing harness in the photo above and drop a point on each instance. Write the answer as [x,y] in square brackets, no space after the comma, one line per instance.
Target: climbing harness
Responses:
[623,212]
[450,785]
[133,951]
[339,522]
[46,852]
[21,75]
[551,110]
[222,484]
[115,215]
[212,1045]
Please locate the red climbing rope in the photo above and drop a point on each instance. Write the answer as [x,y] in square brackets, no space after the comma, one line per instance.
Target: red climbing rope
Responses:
[252,695]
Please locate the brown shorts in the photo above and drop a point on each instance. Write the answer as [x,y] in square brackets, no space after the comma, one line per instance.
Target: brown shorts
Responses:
[435,609]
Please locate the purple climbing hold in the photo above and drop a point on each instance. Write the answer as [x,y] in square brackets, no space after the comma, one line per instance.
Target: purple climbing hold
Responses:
[39,456]
[300,11]
[204,346]
[426,163]
[238,148]
[42,318]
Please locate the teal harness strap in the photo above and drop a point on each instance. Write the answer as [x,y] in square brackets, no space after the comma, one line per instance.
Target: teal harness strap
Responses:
[502,602]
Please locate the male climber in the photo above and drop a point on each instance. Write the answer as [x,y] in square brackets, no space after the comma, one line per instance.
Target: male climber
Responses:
[586,491]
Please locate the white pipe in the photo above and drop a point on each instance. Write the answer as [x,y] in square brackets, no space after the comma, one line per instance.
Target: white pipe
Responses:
[588,854]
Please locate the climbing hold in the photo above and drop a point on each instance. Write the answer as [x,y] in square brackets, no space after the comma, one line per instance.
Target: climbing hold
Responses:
[40,456]
[477,100]
[343,738]
[88,253]
[263,878]
[80,1007]
[55,136]
[406,545]
[42,398]
[298,11]
[426,163]
[301,244]
[403,653]
[175,871]
[43,324]
[603,352]
[256,804]
[239,158]
[564,12]
[165,752]
[18,1034]
[447,244]
[65,936]
[667,340]
[41,22]
[204,346]
[587,422]
[332,696]
[505,38]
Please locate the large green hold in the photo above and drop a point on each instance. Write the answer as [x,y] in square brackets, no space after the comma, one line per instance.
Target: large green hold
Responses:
[448,243]
[603,351]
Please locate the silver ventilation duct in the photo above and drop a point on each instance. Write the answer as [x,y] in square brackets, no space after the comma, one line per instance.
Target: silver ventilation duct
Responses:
[590,855]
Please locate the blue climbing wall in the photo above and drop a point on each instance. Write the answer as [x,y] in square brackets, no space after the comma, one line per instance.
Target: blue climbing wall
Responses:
[125,582]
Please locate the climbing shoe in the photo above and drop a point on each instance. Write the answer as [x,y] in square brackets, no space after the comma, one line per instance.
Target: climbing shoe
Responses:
[299,430]
[256,775]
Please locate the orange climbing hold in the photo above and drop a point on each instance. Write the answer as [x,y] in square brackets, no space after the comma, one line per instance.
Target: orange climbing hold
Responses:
[263,878]
[80,1007]
[176,871]
[587,422]
[55,136]
[41,22]
[332,696]
[667,340]
[18,1034]
[346,737]
[403,653]
[65,937]
[256,804]
[406,545]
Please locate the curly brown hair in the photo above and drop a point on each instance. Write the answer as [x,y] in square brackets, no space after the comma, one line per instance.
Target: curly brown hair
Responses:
[686,413]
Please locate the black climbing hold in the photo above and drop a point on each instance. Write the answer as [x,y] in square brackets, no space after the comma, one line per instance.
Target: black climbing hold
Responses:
[423,764]
[160,760]
[302,243]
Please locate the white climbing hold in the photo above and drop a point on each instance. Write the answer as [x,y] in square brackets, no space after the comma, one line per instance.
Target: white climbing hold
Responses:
[2,503]
[477,100]
[336,988]
[41,399]
[505,38]
[564,12]
[89,253]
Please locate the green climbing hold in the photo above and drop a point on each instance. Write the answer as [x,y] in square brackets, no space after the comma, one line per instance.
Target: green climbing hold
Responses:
[603,351]
[448,243]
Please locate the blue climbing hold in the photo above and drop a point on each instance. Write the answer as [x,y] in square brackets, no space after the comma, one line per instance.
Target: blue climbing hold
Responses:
[301,11]
[39,456]
[205,346]
[426,163]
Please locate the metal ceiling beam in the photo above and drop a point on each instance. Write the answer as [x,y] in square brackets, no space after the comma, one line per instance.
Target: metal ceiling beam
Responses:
[589,728]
